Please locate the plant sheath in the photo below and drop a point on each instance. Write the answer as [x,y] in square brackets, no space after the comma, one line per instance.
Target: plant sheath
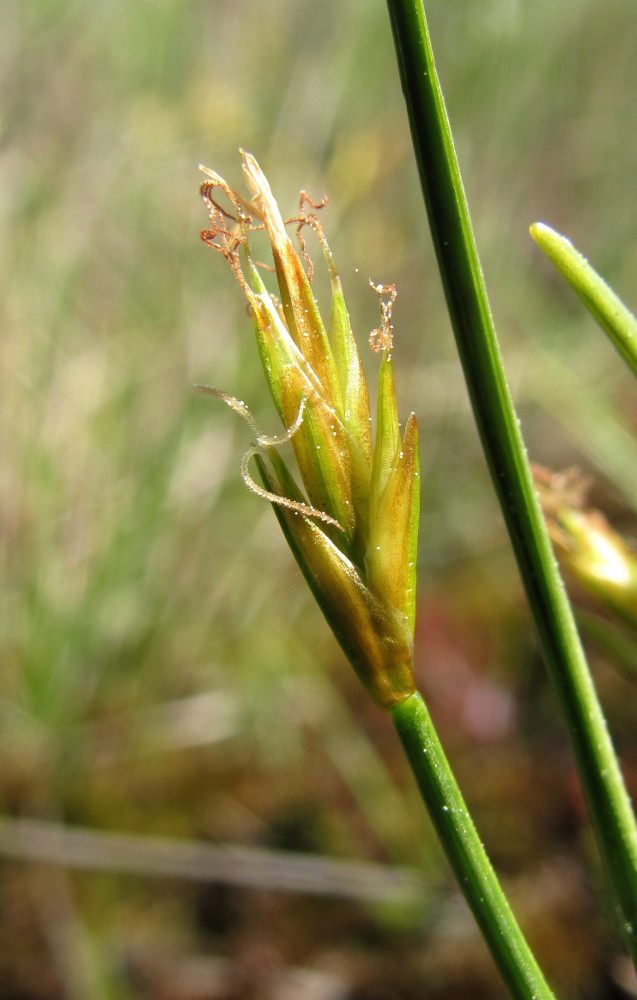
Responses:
[608,802]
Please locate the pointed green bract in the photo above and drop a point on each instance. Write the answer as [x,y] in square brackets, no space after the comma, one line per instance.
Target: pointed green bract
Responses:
[414,521]
[355,414]
[387,443]
[321,451]
[349,368]
[598,297]
[390,559]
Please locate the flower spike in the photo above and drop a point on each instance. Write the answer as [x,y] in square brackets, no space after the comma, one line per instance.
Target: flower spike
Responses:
[353,527]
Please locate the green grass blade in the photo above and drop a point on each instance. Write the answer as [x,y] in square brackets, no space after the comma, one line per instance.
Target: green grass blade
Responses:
[607,308]
[608,802]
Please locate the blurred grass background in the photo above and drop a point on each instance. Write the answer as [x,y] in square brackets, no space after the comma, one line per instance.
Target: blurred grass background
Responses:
[162,672]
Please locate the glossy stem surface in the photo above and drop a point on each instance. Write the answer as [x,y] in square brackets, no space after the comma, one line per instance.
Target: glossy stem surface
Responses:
[466,853]
[608,802]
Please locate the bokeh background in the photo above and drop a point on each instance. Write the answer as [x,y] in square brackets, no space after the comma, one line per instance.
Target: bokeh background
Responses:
[167,688]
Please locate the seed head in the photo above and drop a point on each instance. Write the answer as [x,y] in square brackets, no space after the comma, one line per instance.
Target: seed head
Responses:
[588,548]
[353,526]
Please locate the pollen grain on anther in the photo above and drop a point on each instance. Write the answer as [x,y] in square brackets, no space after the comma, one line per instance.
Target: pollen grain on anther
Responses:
[382,339]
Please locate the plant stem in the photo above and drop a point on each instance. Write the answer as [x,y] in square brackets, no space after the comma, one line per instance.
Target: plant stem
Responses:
[608,802]
[607,308]
[466,853]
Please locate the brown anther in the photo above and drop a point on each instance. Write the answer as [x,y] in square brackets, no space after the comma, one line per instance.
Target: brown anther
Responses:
[227,230]
[382,339]
[304,199]
[305,257]
[304,219]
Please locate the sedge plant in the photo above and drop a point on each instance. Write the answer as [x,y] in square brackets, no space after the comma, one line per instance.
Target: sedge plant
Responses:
[352,521]
[609,805]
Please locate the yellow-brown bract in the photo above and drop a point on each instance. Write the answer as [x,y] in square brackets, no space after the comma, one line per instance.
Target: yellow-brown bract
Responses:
[354,530]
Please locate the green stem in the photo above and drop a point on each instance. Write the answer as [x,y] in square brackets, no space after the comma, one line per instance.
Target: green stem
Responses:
[608,802]
[466,853]
[607,308]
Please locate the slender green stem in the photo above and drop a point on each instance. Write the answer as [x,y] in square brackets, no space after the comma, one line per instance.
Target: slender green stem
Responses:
[466,853]
[608,802]
[607,308]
